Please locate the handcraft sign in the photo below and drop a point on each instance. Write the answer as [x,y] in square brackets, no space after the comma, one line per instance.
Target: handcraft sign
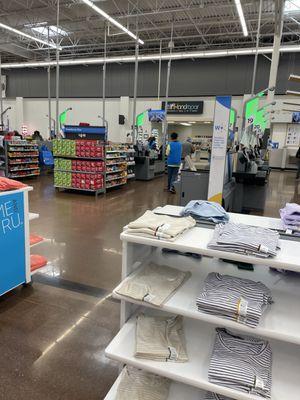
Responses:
[184,107]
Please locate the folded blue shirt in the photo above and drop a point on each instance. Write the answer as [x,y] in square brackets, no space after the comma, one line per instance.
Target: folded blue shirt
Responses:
[203,210]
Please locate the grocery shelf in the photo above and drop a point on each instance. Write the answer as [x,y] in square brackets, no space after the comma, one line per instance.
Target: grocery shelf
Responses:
[130,176]
[24,162]
[178,391]
[113,172]
[81,158]
[23,169]
[116,163]
[280,321]
[199,340]
[131,163]
[22,145]
[80,172]
[196,240]
[25,156]
[115,178]
[115,158]
[115,151]
[23,176]
[118,184]
[22,150]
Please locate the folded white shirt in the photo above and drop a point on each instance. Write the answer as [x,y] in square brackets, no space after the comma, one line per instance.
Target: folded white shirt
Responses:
[160,226]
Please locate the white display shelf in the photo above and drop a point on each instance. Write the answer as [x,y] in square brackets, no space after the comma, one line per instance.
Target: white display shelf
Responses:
[196,240]
[178,391]
[117,170]
[33,216]
[280,320]
[200,338]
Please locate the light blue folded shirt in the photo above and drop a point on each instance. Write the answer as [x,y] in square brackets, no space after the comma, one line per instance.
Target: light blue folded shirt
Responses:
[206,211]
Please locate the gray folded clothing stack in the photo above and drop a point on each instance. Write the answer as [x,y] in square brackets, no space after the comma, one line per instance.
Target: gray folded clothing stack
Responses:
[240,300]
[242,363]
[245,239]
[160,339]
[152,283]
[136,384]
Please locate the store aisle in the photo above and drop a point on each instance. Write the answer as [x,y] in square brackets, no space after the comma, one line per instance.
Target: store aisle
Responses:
[55,332]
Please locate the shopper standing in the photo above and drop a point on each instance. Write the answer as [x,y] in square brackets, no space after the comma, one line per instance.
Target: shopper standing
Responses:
[298,161]
[174,150]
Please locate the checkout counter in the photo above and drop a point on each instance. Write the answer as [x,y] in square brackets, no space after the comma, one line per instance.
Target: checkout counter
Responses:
[148,164]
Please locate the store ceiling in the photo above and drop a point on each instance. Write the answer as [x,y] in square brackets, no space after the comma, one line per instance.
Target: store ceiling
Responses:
[198,25]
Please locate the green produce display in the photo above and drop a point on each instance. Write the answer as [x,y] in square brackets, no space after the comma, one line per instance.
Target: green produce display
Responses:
[61,163]
[63,179]
[64,147]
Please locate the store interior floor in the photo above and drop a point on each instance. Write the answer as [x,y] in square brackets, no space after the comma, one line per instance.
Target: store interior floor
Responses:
[53,333]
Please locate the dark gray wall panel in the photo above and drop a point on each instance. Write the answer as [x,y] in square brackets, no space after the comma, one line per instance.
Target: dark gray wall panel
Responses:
[201,77]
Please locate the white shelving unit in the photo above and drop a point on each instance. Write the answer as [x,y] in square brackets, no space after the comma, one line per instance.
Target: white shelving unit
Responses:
[280,323]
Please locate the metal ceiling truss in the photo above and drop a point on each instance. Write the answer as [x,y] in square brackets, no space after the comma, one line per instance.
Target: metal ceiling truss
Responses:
[198,25]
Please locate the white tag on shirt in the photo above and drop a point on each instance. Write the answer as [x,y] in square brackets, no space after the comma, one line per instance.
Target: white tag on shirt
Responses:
[149,298]
[289,232]
[263,249]
[173,354]
[259,383]
[242,308]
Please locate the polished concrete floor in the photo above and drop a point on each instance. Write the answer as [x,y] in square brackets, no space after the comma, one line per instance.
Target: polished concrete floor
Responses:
[53,334]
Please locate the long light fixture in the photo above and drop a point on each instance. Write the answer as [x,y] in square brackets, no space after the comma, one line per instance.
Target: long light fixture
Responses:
[241,16]
[112,20]
[153,57]
[20,33]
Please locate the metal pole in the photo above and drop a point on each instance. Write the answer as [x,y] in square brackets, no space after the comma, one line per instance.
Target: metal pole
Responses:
[165,134]
[279,5]
[256,52]
[104,78]
[1,98]
[57,73]
[49,90]
[159,71]
[136,71]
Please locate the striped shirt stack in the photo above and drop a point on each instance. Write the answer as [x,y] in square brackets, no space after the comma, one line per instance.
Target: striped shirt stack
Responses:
[245,239]
[242,363]
[214,396]
[160,339]
[240,300]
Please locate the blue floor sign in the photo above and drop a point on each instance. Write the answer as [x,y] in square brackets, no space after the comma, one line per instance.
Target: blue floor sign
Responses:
[12,241]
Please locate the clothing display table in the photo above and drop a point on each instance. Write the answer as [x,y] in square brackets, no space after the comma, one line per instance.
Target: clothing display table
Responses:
[14,239]
[280,324]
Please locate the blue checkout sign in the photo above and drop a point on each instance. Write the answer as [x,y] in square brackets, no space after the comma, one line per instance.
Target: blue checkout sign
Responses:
[12,241]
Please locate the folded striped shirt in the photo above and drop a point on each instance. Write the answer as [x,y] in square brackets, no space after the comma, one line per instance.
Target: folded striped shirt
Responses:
[160,339]
[238,299]
[136,384]
[152,283]
[242,363]
[160,226]
[245,239]
[215,396]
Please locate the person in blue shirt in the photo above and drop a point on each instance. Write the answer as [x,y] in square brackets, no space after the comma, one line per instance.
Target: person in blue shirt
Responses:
[173,153]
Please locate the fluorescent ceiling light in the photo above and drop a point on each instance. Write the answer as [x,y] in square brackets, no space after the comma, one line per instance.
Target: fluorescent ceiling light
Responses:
[185,124]
[241,16]
[111,20]
[20,33]
[53,31]
[151,57]
[292,6]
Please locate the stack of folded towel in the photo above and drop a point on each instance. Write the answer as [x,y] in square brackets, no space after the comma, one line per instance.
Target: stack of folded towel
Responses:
[204,211]
[290,216]
[160,226]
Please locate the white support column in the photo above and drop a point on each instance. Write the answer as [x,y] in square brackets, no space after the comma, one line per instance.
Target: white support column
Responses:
[19,112]
[279,6]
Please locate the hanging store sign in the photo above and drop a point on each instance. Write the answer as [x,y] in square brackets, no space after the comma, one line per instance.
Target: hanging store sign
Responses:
[219,147]
[183,107]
